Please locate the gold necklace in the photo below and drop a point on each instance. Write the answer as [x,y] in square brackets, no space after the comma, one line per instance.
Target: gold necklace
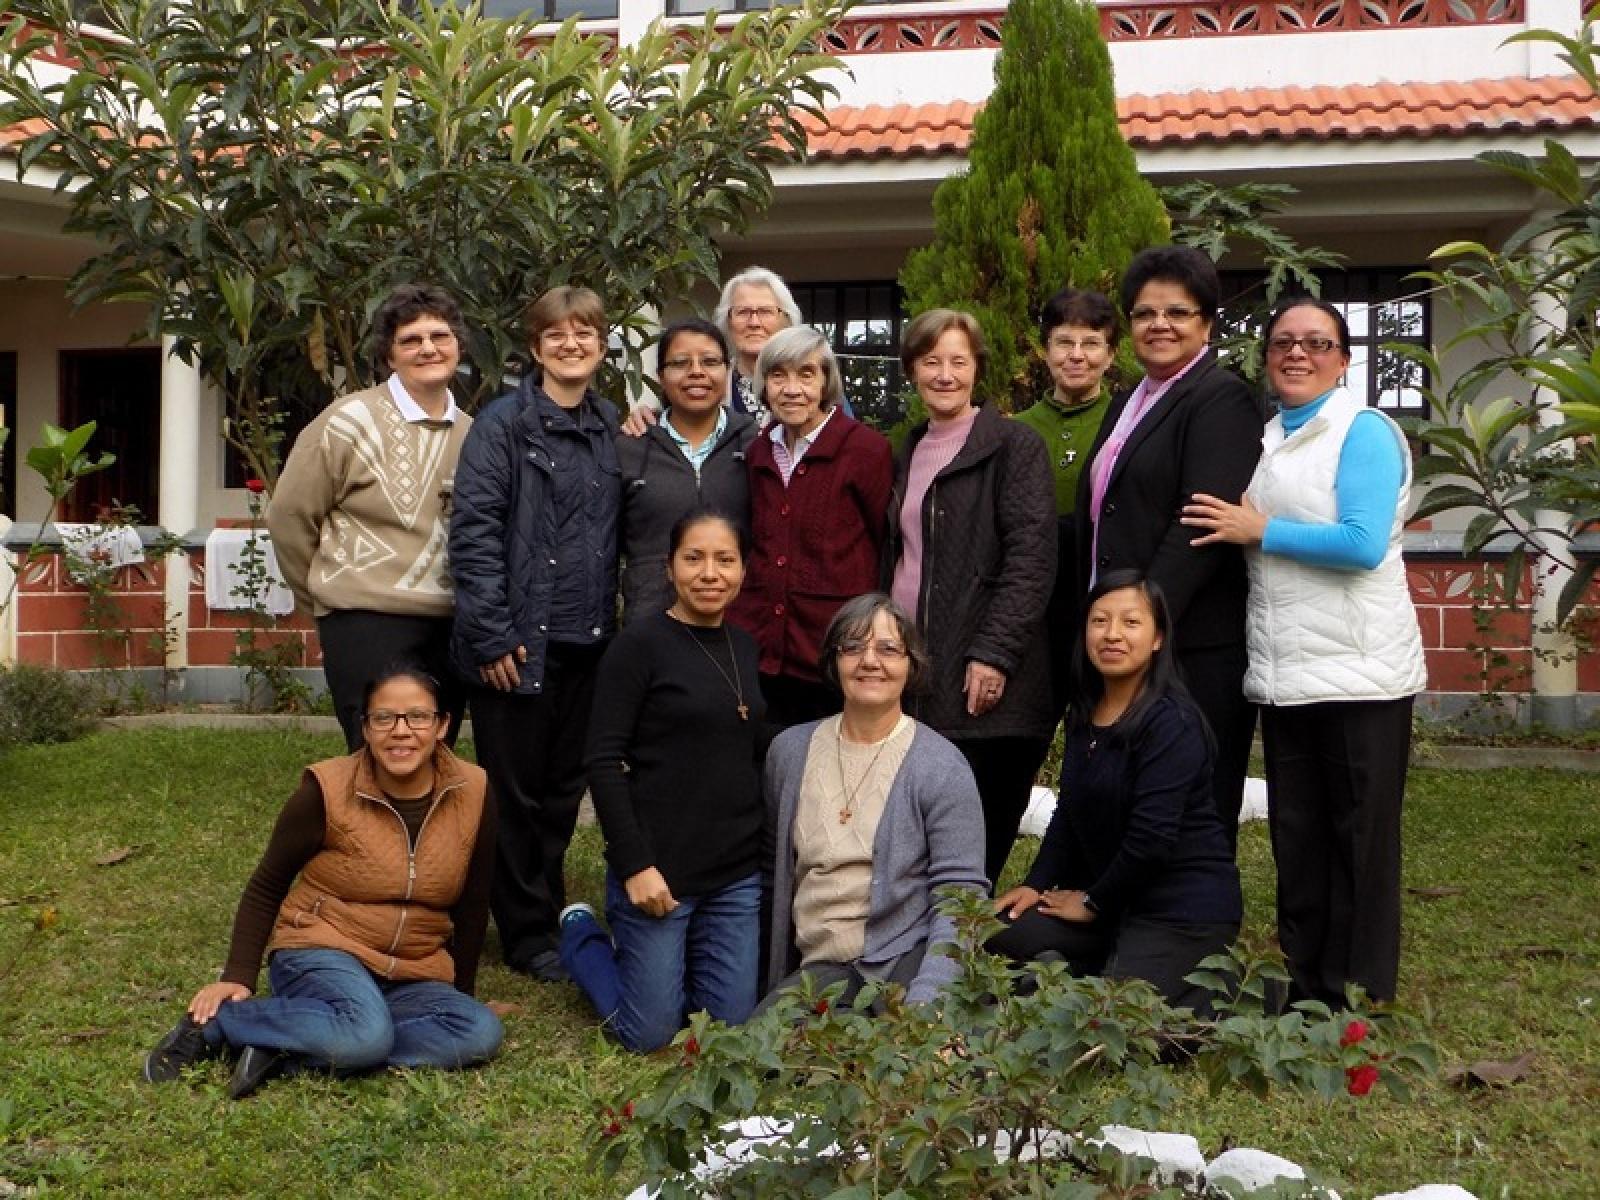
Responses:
[848,809]
[734,684]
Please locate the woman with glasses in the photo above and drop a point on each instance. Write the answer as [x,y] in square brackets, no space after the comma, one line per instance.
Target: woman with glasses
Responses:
[1335,654]
[672,762]
[1079,330]
[359,513]
[1188,426]
[819,498]
[755,304]
[370,902]
[869,814]
[533,547]
[694,457]
[972,553]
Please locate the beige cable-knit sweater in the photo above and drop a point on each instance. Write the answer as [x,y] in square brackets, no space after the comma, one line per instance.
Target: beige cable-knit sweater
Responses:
[360,516]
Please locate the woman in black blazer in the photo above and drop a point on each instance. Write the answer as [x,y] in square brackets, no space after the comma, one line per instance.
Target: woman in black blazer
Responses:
[1188,426]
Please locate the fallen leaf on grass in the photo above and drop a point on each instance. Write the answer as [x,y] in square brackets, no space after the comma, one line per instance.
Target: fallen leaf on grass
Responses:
[1435,893]
[1490,1072]
[503,1008]
[84,1035]
[120,855]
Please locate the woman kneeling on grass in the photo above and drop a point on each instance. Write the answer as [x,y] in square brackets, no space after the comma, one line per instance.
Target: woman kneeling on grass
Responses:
[1135,878]
[673,747]
[374,951]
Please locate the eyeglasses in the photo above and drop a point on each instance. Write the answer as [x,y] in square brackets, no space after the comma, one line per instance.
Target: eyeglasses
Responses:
[886,650]
[711,362]
[1175,315]
[413,342]
[1282,343]
[764,313]
[559,337]
[416,719]
[1089,345]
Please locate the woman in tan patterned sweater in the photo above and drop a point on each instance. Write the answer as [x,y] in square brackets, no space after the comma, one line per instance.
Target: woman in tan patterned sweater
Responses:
[360,515]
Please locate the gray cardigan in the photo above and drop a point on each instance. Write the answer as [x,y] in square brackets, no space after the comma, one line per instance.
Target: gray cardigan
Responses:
[930,836]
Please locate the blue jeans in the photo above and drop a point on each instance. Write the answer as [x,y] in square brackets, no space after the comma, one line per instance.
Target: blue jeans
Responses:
[701,955]
[331,1012]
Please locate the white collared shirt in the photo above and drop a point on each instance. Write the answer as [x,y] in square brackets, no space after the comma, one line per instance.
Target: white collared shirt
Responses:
[787,459]
[411,410]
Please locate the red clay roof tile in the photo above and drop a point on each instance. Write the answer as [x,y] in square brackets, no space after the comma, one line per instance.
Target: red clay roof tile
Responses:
[1383,110]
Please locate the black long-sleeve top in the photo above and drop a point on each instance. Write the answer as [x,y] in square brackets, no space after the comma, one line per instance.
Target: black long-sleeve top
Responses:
[1137,827]
[673,768]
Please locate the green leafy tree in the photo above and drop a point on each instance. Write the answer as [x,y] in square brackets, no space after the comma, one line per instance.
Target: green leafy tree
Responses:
[1512,440]
[1052,196]
[259,173]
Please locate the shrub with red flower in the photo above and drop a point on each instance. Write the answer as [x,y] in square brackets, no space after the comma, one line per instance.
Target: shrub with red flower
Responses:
[1359,1080]
[257,486]
[1354,1033]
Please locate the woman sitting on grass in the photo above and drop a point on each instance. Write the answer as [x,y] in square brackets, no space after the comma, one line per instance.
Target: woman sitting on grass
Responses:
[1135,877]
[374,951]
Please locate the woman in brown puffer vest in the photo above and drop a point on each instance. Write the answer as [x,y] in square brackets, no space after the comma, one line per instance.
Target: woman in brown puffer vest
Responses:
[371,900]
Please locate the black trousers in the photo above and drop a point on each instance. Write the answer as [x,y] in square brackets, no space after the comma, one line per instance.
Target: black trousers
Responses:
[1005,768]
[1159,952]
[357,644]
[532,748]
[792,701]
[1215,678]
[1336,777]
[823,975]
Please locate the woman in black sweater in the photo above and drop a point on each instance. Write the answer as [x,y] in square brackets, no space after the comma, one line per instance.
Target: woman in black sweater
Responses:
[672,759]
[1135,877]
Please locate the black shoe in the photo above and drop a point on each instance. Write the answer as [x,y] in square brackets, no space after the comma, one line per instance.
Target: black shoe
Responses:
[255,1067]
[183,1047]
[546,968]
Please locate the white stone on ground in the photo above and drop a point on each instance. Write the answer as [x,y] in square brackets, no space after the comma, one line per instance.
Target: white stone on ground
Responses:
[1431,1191]
[1176,1155]
[1252,1169]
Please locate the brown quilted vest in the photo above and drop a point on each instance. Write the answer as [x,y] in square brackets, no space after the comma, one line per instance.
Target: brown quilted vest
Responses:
[367,892]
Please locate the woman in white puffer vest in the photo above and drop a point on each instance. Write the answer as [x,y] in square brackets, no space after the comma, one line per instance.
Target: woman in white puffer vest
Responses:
[1335,654]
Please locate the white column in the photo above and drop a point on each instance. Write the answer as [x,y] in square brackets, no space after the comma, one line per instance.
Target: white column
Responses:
[1555,655]
[178,500]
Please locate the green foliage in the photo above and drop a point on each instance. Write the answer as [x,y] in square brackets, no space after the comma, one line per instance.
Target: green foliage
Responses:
[1052,195]
[268,657]
[1241,219]
[59,460]
[43,705]
[261,173]
[1512,439]
[995,1090]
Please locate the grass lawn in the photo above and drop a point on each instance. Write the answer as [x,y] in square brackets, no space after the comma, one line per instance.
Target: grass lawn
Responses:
[1503,958]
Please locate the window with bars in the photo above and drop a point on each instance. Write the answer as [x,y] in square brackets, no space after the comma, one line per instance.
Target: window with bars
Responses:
[862,323]
[1381,306]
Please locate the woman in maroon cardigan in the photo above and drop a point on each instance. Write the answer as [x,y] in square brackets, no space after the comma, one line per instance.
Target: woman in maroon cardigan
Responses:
[819,499]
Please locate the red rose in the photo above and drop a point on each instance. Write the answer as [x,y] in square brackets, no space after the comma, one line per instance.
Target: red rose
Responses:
[255,485]
[1354,1033]
[820,1008]
[1359,1080]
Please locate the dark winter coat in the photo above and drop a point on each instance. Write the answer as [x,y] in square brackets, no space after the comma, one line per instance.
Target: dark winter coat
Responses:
[658,487]
[989,562]
[816,543]
[505,545]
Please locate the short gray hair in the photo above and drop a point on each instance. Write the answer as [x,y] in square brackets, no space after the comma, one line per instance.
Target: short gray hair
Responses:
[755,277]
[854,620]
[792,346]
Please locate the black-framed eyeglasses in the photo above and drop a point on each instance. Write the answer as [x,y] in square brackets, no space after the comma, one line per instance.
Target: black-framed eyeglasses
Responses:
[1282,343]
[416,719]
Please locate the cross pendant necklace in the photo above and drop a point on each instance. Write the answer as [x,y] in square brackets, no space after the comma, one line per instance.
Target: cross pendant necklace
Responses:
[735,684]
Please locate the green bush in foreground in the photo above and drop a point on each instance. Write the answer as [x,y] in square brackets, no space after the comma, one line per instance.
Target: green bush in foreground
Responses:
[42,704]
[990,1092]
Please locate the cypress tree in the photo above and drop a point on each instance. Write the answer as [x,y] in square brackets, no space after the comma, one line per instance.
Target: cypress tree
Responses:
[1052,195]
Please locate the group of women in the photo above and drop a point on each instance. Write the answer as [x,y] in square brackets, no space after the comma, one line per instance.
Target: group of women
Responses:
[838,672]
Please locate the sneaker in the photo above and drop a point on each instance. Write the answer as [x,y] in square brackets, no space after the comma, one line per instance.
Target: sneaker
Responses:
[578,908]
[547,968]
[255,1067]
[184,1046]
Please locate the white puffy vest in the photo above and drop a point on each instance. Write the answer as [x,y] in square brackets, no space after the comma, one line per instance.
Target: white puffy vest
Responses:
[1317,633]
